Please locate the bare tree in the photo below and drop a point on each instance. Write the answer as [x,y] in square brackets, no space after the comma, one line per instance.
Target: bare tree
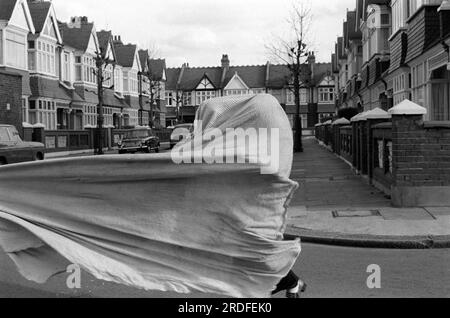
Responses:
[292,50]
[155,85]
[102,61]
[179,100]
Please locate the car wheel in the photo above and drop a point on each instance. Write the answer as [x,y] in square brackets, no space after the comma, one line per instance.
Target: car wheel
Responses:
[38,157]
[121,152]
[148,149]
[2,162]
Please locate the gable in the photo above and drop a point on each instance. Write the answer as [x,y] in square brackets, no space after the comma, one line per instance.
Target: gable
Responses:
[110,53]
[21,17]
[205,84]
[327,81]
[49,27]
[236,83]
[136,63]
[93,45]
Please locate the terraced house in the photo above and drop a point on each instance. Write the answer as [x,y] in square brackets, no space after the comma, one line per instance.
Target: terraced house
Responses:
[187,87]
[15,25]
[48,76]
[395,50]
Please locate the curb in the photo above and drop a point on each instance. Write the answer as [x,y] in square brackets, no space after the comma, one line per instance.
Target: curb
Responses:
[370,241]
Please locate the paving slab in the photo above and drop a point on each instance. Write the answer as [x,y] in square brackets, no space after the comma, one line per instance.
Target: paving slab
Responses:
[329,185]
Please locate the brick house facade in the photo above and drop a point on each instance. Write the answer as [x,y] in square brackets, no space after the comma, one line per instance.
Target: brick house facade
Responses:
[11,95]
[57,63]
[405,55]
[187,87]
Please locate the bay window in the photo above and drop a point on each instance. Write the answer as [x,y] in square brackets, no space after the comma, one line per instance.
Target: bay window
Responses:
[133,82]
[326,95]
[67,74]
[170,101]
[118,80]
[108,76]
[203,96]
[187,99]
[236,92]
[42,57]
[16,51]
[419,81]
[43,111]
[89,70]
[399,14]
[90,115]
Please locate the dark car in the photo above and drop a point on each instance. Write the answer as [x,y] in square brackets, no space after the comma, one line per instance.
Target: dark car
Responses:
[14,150]
[180,133]
[139,140]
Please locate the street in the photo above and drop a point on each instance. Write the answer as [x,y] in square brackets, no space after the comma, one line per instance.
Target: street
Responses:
[329,271]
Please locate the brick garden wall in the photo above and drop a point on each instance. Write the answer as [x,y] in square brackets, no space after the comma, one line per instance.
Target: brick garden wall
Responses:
[11,94]
[421,161]
[407,158]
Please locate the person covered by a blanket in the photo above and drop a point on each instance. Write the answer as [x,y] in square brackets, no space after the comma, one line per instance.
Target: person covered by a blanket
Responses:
[208,217]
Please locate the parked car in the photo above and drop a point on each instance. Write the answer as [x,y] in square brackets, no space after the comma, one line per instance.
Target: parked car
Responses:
[180,133]
[139,140]
[14,150]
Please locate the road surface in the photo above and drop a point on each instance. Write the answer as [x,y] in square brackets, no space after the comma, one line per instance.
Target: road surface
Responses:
[329,271]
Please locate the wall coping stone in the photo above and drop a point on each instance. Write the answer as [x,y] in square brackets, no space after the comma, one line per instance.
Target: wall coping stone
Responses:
[341,121]
[407,107]
[383,126]
[436,124]
[377,113]
[359,117]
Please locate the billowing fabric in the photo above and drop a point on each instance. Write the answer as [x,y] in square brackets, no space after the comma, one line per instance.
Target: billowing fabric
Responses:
[147,222]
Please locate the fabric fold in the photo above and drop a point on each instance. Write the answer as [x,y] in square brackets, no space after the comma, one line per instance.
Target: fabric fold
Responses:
[147,222]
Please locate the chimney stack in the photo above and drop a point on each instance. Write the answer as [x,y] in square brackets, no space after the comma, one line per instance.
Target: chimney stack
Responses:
[117,39]
[225,61]
[76,22]
[312,63]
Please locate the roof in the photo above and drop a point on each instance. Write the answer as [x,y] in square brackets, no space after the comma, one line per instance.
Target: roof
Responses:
[39,12]
[144,57]
[125,54]
[104,38]
[44,87]
[76,37]
[172,78]
[6,9]
[157,67]
[320,71]
[192,77]
[253,76]
[280,75]
[353,31]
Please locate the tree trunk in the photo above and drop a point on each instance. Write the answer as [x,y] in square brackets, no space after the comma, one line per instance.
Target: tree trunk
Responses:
[100,118]
[298,143]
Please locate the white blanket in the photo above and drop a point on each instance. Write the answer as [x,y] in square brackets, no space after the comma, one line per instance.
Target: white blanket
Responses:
[144,221]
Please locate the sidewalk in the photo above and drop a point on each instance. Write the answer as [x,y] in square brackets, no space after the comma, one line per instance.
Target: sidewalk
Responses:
[89,152]
[335,206]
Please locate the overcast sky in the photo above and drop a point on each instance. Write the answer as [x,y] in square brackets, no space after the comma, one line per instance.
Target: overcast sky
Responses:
[200,31]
